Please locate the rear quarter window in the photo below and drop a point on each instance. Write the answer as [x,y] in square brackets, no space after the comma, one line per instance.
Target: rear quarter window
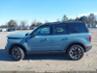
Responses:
[77,28]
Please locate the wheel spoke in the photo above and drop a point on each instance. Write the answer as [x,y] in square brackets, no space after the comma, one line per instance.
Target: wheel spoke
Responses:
[16,53]
[75,52]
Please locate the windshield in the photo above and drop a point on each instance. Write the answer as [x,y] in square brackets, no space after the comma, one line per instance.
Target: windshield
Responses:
[33,29]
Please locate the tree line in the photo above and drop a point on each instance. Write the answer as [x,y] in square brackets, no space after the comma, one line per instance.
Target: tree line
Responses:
[90,21]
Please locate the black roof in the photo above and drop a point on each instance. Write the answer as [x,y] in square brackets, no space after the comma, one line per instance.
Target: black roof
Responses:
[67,22]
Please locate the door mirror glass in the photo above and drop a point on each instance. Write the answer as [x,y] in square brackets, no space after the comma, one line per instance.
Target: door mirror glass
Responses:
[26,34]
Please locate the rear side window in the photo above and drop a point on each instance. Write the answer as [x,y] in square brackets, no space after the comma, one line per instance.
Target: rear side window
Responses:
[77,28]
[59,29]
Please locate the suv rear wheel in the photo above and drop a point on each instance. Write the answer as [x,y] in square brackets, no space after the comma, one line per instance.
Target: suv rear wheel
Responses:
[75,52]
[17,53]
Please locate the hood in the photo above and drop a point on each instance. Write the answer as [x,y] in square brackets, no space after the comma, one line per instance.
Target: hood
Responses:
[18,34]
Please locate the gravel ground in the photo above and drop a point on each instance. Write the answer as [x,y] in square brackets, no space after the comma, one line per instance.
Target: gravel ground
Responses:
[49,62]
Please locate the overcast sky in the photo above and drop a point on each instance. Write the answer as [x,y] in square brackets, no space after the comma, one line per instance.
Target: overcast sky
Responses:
[44,10]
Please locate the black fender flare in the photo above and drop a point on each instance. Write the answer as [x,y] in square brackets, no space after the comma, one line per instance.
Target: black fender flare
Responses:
[73,43]
[19,45]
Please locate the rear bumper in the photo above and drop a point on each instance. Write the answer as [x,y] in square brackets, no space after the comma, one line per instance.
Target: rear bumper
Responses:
[87,48]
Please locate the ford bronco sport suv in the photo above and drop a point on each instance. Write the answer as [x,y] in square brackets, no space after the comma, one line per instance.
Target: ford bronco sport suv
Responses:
[72,38]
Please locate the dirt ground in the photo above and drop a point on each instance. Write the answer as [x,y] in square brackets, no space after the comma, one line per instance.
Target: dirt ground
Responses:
[49,62]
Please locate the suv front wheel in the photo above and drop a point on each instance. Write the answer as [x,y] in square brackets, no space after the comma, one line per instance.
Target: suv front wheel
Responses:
[75,52]
[17,53]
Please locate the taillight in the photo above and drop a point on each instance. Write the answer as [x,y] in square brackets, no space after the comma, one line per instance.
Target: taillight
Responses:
[90,38]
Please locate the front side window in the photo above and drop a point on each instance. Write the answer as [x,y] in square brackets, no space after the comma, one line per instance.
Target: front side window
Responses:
[43,31]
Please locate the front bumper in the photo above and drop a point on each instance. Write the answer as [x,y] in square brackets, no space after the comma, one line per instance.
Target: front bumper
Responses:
[7,50]
[7,47]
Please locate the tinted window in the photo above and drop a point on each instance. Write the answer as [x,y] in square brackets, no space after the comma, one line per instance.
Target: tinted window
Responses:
[59,29]
[43,31]
[77,28]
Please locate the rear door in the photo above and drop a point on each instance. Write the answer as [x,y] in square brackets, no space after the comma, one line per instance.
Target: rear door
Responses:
[60,36]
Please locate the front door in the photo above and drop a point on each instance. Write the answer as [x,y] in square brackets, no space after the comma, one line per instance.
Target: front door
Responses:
[41,40]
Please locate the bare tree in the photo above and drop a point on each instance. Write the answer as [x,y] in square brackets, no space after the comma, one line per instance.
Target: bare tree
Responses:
[34,24]
[12,25]
[92,20]
[65,18]
[23,25]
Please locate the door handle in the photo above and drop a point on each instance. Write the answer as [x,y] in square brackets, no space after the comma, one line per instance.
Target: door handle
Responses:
[45,39]
[64,39]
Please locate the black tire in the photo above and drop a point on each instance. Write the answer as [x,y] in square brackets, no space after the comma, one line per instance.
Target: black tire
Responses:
[17,53]
[75,52]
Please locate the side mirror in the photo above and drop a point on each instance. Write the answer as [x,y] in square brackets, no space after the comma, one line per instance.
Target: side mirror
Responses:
[26,34]
[33,35]
[29,35]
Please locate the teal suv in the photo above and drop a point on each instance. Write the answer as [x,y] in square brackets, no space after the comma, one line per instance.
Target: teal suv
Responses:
[71,37]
